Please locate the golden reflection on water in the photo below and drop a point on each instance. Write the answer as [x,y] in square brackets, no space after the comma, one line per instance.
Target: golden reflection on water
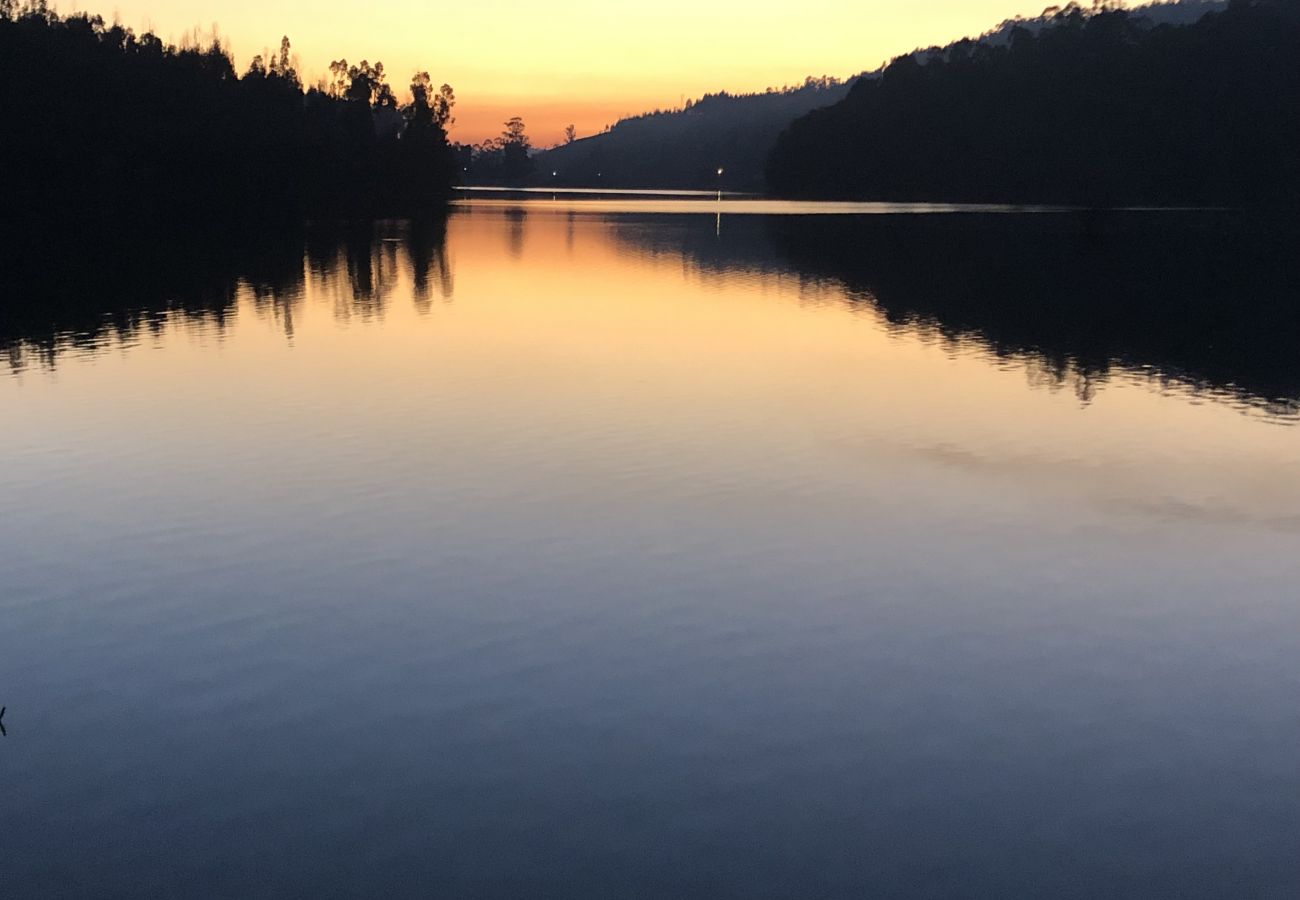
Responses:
[582,323]
[560,515]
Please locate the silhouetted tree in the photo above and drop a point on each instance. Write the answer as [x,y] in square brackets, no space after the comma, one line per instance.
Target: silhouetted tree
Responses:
[516,163]
[434,106]
[426,159]
[506,159]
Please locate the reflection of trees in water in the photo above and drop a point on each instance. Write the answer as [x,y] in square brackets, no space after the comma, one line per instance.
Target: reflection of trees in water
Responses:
[427,248]
[354,266]
[280,306]
[359,265]
[275,281]
[116,290]
[721,254]
[515,220]
[112,295]
[372,274]
[1207,301]
[1204,300]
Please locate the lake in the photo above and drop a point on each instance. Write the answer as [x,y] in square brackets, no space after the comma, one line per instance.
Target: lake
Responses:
[605,547]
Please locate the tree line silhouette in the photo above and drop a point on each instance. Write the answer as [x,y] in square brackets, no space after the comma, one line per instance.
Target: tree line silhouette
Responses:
[503,160]
[100,120]
[1099,107]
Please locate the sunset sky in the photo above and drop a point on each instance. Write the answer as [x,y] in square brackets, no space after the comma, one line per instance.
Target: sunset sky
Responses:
[588,62]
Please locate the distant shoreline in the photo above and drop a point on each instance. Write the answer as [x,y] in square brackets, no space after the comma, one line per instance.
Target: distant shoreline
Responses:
[736,202]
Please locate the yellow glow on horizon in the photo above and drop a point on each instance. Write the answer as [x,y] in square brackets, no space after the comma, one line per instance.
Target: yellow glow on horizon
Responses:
[580,61]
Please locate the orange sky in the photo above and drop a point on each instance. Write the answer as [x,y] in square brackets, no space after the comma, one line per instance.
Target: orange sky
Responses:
[588,62]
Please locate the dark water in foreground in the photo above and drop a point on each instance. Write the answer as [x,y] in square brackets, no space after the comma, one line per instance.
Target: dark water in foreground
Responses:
[566,551]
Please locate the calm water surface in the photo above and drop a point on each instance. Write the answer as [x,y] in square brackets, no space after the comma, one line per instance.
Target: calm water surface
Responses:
[564,550]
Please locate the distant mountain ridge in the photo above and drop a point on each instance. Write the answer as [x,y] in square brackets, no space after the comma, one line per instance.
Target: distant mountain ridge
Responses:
[1171,12]
[684,148]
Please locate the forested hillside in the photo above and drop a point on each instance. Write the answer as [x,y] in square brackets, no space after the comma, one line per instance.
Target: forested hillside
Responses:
[685,148]
[1100,107]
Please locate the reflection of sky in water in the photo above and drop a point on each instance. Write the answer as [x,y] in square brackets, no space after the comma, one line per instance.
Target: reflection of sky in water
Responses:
[553,557]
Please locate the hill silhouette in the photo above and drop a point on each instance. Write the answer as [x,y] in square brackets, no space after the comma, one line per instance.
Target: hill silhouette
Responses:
[1173,12]
[684,148]
[1091,107]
